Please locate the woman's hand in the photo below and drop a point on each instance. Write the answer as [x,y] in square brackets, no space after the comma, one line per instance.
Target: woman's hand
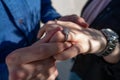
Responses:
[84,40]
[75,19]
[71,18]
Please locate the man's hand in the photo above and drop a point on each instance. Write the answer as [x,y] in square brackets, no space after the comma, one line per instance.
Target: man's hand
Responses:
[37,70]
[35,62]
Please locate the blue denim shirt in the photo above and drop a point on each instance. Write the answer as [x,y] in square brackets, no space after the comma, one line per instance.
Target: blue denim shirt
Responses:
[19,24]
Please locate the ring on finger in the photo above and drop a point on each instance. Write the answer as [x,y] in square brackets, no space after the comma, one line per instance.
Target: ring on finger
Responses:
[65,31]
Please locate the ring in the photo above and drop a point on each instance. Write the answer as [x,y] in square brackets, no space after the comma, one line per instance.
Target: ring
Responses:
[66,31]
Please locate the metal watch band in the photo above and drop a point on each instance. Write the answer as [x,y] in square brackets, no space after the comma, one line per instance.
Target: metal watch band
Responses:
[112,40]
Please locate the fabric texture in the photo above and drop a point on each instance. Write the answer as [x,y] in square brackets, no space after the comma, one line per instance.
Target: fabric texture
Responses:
[19,25]
[93,9]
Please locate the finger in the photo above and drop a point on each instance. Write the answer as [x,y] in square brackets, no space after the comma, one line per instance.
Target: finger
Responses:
[33,53]
[53,76]
[76,19]
[59,36]
[70,25]
[49,35]
[74,50]
[43,69]
[41,32]
[67,54]
[82,23]
[49,74]
[44,28]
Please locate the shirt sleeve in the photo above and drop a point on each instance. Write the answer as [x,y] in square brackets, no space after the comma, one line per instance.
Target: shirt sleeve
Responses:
[47,11]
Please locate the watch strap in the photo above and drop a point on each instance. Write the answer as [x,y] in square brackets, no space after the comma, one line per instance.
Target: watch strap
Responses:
[112,40]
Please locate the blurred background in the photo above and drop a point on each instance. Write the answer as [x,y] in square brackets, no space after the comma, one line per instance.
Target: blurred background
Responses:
[67,7]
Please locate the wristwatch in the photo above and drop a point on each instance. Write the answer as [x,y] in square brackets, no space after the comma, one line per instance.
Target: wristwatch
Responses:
[112,40]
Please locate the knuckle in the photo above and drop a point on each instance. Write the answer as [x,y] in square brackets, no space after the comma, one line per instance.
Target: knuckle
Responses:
[53,76]
[10,58]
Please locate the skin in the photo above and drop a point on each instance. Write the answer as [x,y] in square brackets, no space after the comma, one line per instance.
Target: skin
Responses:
[84,41]
[35,62]
[37,70]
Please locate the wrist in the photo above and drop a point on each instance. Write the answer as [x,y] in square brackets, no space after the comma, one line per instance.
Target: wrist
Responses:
[112,40]
[111,53]
[98,42]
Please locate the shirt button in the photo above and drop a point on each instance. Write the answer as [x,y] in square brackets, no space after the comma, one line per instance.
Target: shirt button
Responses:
[20,21]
